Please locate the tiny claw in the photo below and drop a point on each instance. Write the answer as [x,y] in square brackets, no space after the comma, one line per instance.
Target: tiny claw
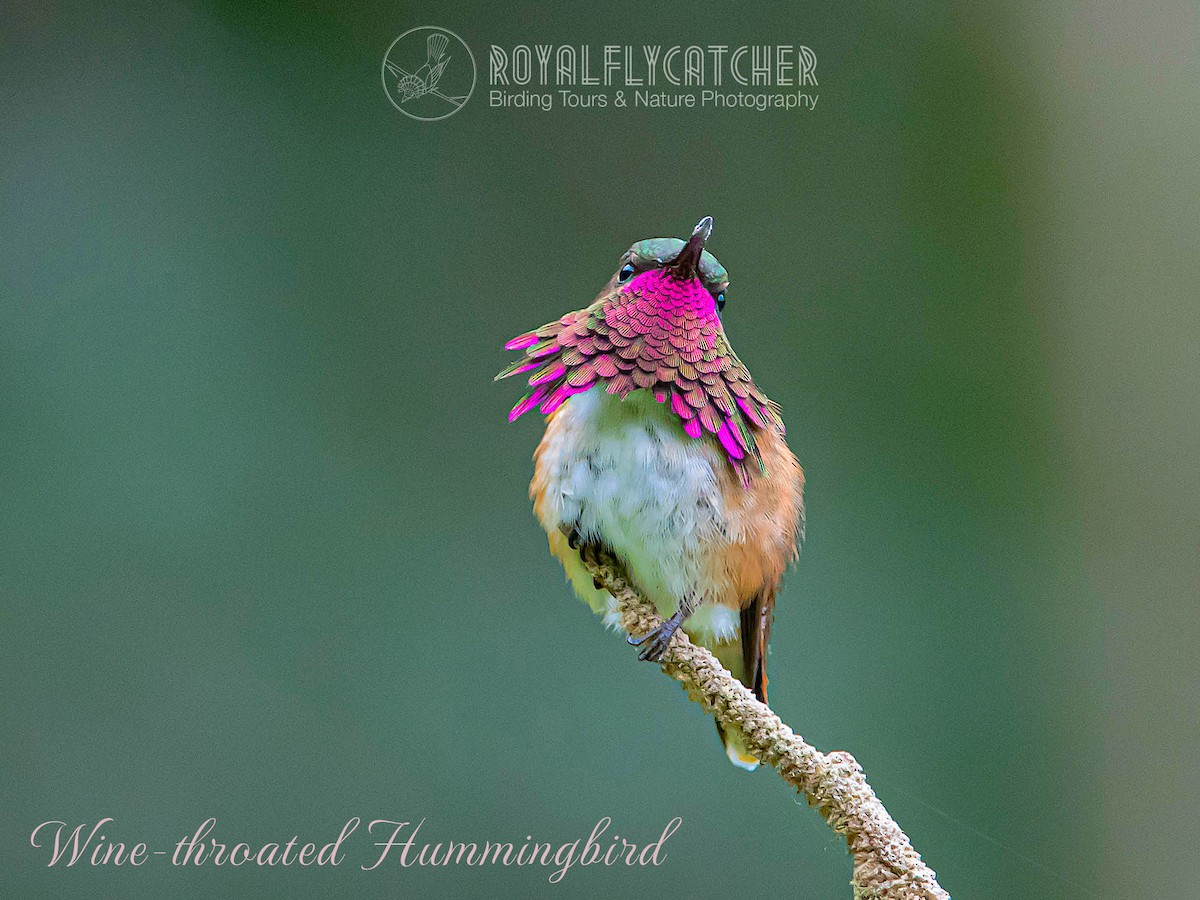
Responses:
[655,651]
[590,553]
[659,639]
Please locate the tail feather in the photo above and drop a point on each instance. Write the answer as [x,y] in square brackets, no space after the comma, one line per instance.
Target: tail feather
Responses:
[735,748]
[436,45]
[731,656]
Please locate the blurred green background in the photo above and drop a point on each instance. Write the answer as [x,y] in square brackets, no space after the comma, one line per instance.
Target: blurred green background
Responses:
[267,552]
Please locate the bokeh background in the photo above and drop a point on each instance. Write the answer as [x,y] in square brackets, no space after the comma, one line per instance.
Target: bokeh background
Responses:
[267,553]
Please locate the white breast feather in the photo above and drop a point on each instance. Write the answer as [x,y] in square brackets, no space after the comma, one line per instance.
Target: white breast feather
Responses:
[625,473]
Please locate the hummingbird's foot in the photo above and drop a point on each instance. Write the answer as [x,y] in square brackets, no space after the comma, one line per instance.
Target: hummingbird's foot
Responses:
[657,641]
[589,551]
[574,539]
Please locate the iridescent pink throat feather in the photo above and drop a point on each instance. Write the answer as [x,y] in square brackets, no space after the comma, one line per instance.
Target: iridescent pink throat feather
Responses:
[662,334]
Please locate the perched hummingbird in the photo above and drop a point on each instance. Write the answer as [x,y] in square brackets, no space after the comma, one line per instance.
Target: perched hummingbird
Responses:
[660,448]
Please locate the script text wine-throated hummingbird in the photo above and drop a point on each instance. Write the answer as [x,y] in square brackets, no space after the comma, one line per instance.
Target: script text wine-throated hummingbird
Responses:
[660,448]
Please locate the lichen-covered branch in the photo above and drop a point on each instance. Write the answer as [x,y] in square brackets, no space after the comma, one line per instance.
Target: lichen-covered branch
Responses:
[886,867]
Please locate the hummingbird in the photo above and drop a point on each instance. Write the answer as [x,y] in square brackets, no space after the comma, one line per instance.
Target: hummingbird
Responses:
[425,79]
[660,449]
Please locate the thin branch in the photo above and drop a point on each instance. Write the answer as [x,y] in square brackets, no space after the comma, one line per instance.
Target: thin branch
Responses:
[886,867]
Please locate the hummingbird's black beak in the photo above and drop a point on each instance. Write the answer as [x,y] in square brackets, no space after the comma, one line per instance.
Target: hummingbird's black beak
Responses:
[687,263]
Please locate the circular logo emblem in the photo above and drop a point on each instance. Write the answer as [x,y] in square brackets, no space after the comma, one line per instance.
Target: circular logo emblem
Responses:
[428,73]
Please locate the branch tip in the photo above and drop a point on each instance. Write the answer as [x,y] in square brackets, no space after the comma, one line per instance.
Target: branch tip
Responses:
[886,866]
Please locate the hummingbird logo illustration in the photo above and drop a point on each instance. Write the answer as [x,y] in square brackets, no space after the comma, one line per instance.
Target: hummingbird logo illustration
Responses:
[661,449]
[425,79]
[406,85]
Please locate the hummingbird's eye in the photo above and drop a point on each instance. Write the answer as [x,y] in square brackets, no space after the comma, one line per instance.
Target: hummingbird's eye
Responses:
[625,274]
[720,301]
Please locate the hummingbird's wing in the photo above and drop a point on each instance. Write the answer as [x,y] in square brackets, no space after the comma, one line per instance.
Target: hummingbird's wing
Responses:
[626,344]
[435,74]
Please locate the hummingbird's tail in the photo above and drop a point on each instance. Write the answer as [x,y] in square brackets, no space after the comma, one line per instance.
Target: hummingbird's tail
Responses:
[746,657]
[735,749]
[730,655]
[436,45]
